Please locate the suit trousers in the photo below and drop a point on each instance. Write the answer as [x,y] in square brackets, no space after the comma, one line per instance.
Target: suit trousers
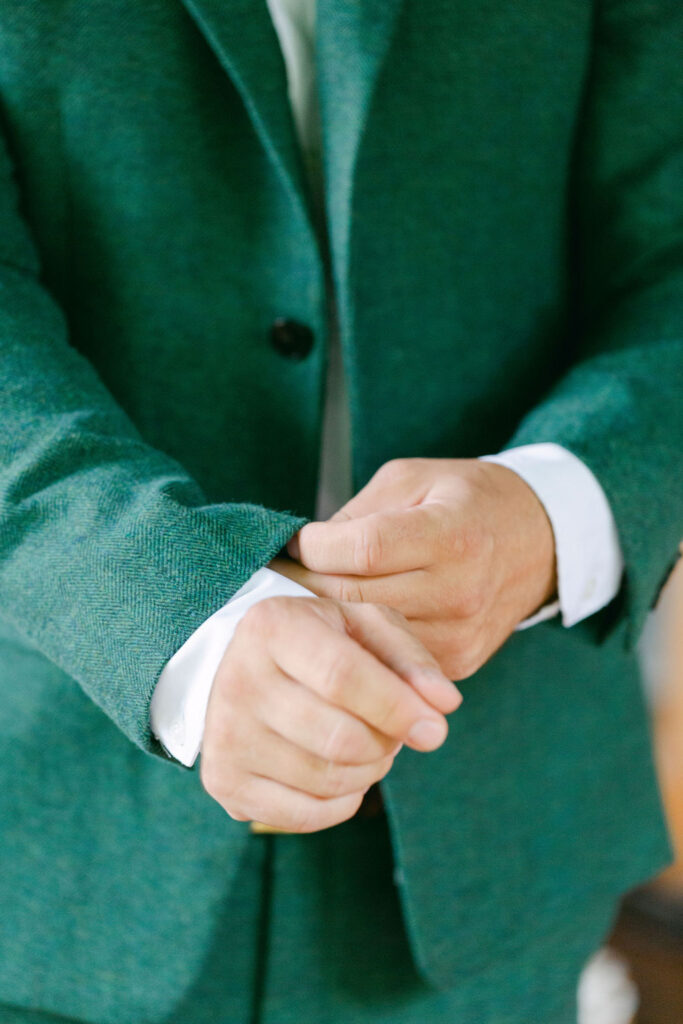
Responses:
[313,933]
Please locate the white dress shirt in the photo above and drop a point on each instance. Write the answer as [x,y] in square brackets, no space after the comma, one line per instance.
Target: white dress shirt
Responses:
[589,560]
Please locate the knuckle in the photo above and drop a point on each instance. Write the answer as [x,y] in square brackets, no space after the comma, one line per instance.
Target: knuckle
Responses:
[389,714]
[232,686]
[209,778]
[334,679]
[333,780]
[258,618]
[349,590]
[272,618]
[236,815]
[216,779]
[330,609]
[367,552]
[340,743]
[394,469]
[303,817]
[227,716]
[352,808]
[318,817]
[246,800]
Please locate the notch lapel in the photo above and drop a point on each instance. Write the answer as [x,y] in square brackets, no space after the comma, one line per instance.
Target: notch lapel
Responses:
[242,35]
[353,38]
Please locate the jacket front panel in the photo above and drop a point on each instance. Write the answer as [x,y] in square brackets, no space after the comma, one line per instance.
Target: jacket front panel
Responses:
[156,168]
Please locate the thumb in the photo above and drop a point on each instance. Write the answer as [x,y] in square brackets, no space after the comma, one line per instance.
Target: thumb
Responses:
[340,516]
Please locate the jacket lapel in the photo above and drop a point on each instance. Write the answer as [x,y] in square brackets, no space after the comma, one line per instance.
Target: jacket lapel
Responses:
[353,38]
[242,36]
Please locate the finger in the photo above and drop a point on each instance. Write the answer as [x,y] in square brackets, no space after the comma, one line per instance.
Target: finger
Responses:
[397,484]
[405,653]
[301,716]
[461,649]
[273,803]
[416,593]
[373,545]
[272,757]
[336,667]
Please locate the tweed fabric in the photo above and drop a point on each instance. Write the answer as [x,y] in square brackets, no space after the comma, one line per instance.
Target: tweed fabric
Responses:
[337,948]
[323,940]
[504,203]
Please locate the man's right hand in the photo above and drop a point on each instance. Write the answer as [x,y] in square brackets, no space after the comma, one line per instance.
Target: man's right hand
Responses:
[310,704]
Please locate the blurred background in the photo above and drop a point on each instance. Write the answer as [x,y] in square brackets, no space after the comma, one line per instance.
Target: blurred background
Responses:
[648,933]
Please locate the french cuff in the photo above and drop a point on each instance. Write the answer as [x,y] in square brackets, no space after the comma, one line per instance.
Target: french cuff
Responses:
[181,694]
[590,564]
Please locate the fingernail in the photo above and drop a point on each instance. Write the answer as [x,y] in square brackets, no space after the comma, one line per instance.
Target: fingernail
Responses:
[428,734]
[293,547]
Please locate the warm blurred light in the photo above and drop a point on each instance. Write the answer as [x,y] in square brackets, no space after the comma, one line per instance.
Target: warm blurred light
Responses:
[669,716]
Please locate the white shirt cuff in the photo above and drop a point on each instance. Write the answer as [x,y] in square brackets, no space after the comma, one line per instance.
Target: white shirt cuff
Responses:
[589,559]
[181,695]
[589,571]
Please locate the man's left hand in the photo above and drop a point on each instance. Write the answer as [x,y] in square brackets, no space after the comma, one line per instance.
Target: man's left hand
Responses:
[462,548]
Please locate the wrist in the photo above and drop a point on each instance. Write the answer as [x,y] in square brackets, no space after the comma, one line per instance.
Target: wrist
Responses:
[529,537]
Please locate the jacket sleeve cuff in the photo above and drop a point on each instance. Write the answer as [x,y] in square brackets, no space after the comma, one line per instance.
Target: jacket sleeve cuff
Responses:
[588,552]
[181,695]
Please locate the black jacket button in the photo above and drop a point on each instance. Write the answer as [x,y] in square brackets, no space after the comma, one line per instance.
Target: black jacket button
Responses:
[291,338]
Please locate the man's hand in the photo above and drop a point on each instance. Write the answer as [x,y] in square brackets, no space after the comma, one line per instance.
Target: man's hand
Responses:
[311,702]
[462,548]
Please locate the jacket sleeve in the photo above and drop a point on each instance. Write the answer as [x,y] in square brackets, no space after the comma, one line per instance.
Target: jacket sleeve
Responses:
[620,406]
[110,556]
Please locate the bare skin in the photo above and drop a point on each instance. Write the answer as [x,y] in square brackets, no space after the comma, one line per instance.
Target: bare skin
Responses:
[462,548]
[420,577]
[312,701]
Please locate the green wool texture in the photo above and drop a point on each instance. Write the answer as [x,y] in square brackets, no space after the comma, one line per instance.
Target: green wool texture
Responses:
[504,200]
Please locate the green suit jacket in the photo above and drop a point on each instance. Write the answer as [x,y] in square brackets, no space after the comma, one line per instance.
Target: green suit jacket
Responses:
[503,190]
